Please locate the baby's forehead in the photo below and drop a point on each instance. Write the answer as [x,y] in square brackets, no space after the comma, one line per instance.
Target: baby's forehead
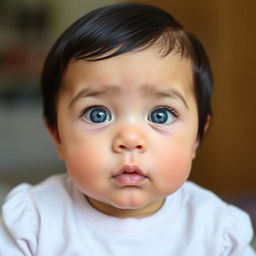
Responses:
[147,68]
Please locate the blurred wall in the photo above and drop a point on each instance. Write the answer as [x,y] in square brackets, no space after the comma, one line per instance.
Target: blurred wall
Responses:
[226,159]
[66,12]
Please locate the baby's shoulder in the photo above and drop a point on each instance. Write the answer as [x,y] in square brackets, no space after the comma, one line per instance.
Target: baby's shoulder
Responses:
[225,222]
[30,211]
[192,193]
[27,199]
[203,201]
[51,189]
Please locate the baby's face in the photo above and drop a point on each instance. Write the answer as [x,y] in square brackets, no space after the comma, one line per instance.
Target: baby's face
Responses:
[128,129]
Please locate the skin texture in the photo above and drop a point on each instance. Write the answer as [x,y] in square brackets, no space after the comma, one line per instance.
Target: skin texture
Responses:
[129,87]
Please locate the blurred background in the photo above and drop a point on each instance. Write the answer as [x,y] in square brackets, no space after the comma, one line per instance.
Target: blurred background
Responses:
[226,160]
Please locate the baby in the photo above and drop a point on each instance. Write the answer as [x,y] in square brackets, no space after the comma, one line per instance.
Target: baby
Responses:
[126,96]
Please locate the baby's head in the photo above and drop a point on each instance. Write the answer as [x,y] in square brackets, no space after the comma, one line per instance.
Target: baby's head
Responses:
[126,94]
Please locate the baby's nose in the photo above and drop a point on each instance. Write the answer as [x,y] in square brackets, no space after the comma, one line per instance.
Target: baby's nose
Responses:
[129,140]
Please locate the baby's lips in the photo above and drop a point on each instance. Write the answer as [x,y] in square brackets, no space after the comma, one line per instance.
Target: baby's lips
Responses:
[130,176]
[130,169]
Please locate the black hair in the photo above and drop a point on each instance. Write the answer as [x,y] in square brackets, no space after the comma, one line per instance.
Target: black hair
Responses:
[116,29]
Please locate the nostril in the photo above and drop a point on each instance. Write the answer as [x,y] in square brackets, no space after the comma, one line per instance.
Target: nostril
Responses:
[122,147]
[139,147]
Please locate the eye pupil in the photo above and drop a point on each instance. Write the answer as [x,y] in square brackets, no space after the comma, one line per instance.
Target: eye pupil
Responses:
[159,116]
[98,115]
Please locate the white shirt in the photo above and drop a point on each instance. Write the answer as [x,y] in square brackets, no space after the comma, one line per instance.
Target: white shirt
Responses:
[54,219]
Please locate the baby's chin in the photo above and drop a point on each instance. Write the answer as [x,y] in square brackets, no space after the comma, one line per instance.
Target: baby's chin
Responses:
[136,208]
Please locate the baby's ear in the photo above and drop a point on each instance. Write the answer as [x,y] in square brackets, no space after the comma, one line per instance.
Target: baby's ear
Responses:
[197,142]
[56,139]
[207,123]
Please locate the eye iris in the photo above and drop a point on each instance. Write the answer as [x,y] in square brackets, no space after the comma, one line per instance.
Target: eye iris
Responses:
[98,116]
[159,116]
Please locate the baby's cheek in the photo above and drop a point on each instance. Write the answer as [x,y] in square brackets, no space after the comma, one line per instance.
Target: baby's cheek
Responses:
[84,164]
[174,168]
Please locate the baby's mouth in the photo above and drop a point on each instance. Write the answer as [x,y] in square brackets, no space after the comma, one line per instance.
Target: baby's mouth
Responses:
[129,176]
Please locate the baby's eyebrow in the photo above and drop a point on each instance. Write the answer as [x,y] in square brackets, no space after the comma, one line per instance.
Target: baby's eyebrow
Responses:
[170,93]
[92,92]
[146,91]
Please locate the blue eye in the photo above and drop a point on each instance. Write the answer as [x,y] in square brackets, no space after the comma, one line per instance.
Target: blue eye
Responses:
[97,115]
[162,115]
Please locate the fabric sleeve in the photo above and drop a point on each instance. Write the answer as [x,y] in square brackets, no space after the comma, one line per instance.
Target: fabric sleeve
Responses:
[19,224]
[238,234]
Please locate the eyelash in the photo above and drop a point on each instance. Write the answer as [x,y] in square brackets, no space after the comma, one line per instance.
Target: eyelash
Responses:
[172,110]
[91,107]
